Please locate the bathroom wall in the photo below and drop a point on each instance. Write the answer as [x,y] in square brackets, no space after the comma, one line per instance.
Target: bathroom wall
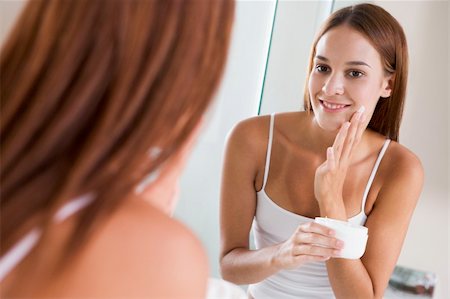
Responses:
[9,10]
[425,130]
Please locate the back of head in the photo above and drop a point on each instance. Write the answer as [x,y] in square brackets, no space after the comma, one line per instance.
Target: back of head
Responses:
[388,38]
[88,88]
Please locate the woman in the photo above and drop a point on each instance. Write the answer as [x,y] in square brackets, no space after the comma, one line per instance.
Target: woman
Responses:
[100,103]
[339,159]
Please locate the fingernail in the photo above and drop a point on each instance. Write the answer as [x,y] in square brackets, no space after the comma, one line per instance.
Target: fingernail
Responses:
[330,151]
[361,109]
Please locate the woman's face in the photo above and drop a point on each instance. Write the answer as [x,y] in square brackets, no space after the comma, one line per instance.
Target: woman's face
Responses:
[347,74]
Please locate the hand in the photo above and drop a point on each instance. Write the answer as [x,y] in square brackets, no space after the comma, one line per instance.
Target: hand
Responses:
[311,242]
[330,176]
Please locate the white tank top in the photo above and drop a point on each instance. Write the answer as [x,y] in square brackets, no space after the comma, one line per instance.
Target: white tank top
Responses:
[273,225]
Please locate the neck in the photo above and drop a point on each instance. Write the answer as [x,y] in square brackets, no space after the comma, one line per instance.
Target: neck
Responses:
[321,139]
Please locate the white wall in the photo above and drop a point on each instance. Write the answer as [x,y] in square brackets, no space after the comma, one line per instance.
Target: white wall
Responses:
[238,98]
[9,10]
[296,23]
[424,129]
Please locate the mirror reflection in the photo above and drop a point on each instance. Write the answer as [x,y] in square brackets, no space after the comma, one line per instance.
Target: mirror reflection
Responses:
[339,159]
[285,188]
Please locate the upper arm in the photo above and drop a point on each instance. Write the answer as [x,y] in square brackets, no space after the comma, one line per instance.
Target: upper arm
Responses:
[390,216]
[244,156]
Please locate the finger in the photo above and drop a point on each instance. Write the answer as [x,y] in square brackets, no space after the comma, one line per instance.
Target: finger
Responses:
[311,258]
[361,129]
[339,140]
[312,227]
[331,161]
[351,136]
[319,240]
[309,249]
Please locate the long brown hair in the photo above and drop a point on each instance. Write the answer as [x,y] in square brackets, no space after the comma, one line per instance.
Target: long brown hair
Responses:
[388,38]
[87,88]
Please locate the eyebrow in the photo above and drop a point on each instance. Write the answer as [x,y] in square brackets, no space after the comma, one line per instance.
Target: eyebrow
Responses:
[348,62]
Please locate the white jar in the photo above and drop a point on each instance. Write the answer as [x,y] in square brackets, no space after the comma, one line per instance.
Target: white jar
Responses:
[354,236]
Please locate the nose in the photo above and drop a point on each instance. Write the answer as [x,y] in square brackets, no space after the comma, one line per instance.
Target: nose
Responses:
[333,85]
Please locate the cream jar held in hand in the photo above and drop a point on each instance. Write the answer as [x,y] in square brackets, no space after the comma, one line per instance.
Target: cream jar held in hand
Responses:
[354,236]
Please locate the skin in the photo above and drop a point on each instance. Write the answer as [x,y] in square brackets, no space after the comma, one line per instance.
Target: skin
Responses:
[138,252]
[320,165]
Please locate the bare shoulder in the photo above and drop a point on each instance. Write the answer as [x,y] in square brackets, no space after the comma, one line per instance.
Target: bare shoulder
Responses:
[402,162]
[251,132]
[246,147]
[402,173]
[140,252]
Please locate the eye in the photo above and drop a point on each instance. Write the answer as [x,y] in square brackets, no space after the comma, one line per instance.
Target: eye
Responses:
[355,74]
[322,68]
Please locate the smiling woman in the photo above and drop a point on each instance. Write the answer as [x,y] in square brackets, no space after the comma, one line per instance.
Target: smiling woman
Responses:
[338,159]
[378,57]
[346,72]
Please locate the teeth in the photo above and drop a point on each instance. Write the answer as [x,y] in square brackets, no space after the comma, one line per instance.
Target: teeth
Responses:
[332,106]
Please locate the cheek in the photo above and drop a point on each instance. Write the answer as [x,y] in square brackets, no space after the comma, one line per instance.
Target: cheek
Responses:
[314,85]
[364,93]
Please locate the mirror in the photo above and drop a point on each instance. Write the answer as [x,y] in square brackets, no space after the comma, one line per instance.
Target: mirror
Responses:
[424,129]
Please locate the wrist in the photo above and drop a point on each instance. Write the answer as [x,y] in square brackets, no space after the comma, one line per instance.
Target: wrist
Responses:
[333,208]
[274,261]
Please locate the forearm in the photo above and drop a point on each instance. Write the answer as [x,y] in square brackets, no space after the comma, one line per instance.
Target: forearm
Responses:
[349,279]
[244,266]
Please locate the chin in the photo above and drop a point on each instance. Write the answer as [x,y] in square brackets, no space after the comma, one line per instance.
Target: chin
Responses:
[329,124]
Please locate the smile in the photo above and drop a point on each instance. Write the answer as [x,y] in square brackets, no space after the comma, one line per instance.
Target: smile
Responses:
[331,107]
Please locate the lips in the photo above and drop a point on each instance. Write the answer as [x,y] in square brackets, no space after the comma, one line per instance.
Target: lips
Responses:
[333,106]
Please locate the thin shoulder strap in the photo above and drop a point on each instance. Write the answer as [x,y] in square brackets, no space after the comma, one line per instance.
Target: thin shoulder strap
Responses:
[269,150]
[374,172]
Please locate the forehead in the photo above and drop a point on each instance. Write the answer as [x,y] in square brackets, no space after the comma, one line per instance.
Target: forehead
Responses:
[343,43]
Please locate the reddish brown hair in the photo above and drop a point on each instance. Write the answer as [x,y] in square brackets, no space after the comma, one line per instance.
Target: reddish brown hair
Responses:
[87,88]
[388,38]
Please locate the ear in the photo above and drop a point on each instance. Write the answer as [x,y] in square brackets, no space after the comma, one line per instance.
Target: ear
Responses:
[388,83]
